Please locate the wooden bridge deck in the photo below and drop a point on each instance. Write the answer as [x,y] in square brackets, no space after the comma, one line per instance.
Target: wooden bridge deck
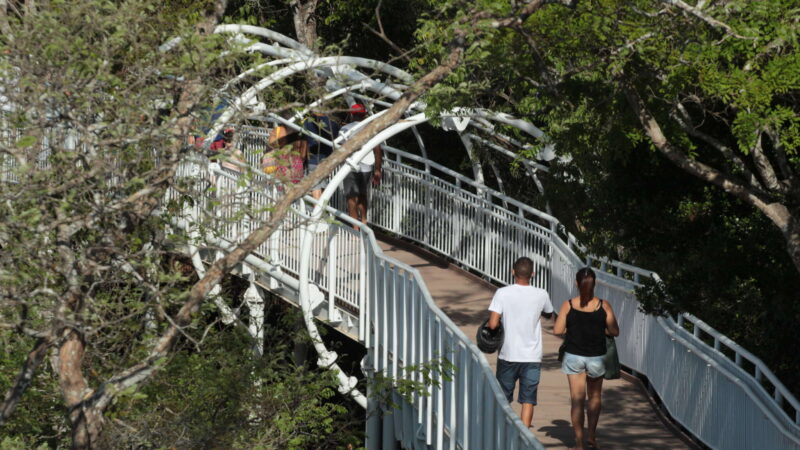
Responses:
[628,420]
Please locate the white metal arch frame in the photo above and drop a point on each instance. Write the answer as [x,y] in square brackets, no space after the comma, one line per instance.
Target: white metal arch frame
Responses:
[343,69]
[341,66]
[481,121]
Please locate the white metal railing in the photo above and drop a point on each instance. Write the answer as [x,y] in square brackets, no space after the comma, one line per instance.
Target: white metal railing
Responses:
[387,302]
[709,392]
[740,409]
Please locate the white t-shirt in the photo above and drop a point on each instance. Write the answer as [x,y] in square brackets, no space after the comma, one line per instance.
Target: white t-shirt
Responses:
[369,159]
[520,308]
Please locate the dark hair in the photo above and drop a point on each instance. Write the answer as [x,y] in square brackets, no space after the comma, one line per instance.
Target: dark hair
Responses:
[523,268]
[227,136]
[586,279]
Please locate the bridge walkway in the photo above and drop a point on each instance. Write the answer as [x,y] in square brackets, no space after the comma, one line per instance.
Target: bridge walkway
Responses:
[629,421]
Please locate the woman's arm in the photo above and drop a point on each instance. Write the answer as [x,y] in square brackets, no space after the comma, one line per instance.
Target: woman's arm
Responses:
[612,328]
[560,326]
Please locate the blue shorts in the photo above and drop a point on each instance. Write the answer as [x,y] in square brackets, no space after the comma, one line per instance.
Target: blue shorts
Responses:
[575,364]
[528,375]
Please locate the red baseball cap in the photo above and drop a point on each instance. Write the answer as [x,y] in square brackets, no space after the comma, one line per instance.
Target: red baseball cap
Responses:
[358,109]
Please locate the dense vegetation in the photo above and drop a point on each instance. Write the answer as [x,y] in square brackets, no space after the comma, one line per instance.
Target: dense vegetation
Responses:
[676,125]
[214,395]
[677,129]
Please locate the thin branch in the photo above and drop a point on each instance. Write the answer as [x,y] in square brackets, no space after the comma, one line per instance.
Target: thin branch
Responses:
[704,17]
[686,123]
[24,378]
[765,168]
[381,33]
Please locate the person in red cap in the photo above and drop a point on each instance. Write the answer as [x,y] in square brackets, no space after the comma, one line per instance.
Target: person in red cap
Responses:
[356,185]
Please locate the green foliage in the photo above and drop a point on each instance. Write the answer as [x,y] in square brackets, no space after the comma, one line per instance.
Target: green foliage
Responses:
[415,379]
[567,71]
[228,399]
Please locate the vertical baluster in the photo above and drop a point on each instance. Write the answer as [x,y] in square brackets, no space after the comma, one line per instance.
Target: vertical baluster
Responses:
[397,308]
[333,315]
[440,380]
[430,336]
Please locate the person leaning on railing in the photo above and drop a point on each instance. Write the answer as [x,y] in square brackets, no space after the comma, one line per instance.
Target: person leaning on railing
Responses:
[285,155]
[586,320]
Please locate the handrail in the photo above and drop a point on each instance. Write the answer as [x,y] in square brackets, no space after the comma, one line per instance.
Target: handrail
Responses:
[464,179]
[618,273]
[398,293]
[619,279]
[740,355]
[490,230]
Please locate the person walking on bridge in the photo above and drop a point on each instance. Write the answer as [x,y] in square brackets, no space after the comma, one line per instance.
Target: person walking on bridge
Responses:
[586,320]
[356,184]
[520,307]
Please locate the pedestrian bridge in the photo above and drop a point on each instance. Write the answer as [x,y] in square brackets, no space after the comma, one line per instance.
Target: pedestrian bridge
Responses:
[414,284]
[410,306]
[416,299]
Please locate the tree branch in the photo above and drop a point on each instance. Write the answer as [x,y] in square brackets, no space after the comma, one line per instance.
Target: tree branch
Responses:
[779,213]
[780,157]
[140,372]
[24,378]
[765,168]
[704,17]
[686,123]
[753,197]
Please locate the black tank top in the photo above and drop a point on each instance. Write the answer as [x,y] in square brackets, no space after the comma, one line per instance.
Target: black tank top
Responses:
[586,332]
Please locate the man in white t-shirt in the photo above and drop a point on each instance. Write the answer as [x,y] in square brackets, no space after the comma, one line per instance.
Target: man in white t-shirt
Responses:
[520,307]
[356,184]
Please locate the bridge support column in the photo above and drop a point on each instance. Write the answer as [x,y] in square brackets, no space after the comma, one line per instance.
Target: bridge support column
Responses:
[373,440]
[255,303]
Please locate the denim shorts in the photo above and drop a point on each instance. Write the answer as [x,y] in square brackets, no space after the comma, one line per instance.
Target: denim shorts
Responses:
[575,364]
[528,375]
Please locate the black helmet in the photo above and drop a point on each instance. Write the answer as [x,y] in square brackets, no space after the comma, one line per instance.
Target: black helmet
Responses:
[489,341]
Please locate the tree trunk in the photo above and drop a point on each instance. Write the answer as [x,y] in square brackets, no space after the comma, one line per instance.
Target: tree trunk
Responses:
[305,22]
[86,423]
[785,219]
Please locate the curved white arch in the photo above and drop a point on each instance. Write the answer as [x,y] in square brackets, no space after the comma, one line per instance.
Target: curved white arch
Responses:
[335,67]
[267,33]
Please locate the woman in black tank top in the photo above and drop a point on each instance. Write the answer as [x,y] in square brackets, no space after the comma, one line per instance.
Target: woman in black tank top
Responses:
[586,320]
[586,331]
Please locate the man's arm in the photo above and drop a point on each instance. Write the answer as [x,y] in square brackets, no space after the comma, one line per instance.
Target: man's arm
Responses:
[547,310]
[494,320]
[376,171]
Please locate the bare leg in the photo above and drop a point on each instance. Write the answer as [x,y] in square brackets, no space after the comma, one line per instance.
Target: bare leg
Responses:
[527,414]
[352,207]
[577,395]
[594,390]
[362,207]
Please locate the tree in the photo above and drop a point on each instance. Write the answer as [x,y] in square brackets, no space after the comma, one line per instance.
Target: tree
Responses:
[88,269]
[712,87]
[626,89]
[83,251]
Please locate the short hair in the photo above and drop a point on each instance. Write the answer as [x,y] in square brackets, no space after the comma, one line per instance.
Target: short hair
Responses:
[523,267]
